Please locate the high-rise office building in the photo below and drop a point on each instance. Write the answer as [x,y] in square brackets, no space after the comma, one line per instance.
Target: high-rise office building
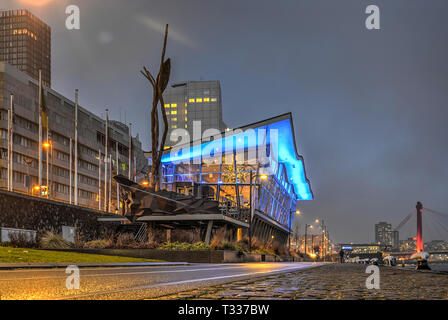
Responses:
[25,43]
[385,235]
[193,101]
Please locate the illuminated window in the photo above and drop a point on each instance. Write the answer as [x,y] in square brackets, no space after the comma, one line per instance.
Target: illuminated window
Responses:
[186,126]
[185,104]
[186,111]
[174,119]
[213,99]
[185,118]
[167,105]
[199,100]
[173,126]
[174,105]
[174,112]
[191,100]
[206,99]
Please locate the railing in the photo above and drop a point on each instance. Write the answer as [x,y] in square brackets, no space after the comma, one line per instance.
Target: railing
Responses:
[142,233]
[241,214]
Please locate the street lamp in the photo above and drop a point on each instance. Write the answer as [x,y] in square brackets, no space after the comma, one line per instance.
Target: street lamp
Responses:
[290,226]
[306,229]
[48,146]
[262,177]
[35,188]
[145,183]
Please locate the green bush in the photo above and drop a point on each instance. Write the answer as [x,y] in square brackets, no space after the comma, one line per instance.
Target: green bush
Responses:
[227,245]
[54,241]
[264,251]
[183,246]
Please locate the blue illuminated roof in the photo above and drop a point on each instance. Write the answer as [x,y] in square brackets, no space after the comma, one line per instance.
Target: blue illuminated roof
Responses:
[287,151]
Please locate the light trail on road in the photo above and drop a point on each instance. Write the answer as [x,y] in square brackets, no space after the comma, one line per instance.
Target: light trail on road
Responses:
[132,282]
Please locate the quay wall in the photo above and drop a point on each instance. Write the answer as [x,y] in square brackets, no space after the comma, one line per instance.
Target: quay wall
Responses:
[41,215]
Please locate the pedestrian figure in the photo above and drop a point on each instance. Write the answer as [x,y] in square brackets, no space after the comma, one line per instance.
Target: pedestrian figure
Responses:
[341,254]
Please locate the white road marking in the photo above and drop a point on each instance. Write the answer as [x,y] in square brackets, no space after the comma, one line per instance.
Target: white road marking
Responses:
[119,273]
[190,281]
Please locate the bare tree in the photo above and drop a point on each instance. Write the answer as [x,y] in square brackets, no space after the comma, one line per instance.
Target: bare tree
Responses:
[159,85]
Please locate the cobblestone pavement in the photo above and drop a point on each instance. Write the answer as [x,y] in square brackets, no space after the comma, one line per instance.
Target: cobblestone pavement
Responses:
[336,281]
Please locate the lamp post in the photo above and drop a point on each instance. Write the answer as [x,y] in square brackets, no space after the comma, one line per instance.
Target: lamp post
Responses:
[251,207]
[306,228]
[48,146]
[312,244]
[290,226]
[322,240]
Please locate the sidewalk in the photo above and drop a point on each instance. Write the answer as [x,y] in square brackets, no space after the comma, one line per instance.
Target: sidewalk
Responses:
[13,266]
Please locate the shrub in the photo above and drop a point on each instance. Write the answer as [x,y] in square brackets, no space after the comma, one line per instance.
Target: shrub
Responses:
[264,251]
[98,244]
[125,240]
[219,237]
[256,244]
[182,246]
[241,246]
[227,245]
[54,241]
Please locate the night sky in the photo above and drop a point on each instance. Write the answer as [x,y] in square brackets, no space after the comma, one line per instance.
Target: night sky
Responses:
[369,106]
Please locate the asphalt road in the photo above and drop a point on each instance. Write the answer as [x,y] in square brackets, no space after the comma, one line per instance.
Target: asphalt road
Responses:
[132,282]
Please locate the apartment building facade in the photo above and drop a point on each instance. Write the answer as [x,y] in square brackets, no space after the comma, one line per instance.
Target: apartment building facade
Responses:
[61,116]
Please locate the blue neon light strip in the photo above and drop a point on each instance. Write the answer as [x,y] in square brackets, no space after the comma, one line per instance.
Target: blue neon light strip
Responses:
[286,154]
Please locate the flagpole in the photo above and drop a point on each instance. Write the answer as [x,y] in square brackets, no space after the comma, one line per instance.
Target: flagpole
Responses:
[40,131]
[106,159]
[118,172]
[130,149]
[50,187]
[135,169]
[76,148]
[99,179]
[10,145]
[12,141]
[71,165]
[48,163]
[9,150]
[110,180]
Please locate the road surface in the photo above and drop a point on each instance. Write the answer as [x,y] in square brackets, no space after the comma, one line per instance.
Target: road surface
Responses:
[132,282]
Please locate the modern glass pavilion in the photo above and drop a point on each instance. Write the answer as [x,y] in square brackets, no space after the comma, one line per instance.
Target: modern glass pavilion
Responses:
[256,166]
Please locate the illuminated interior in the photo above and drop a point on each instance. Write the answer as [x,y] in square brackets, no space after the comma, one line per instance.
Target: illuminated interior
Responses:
[278,183]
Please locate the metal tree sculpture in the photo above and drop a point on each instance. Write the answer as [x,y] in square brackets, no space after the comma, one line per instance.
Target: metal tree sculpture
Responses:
[159,85]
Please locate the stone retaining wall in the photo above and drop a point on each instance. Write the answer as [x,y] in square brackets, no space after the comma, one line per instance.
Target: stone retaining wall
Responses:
[25,212]
[199,256]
